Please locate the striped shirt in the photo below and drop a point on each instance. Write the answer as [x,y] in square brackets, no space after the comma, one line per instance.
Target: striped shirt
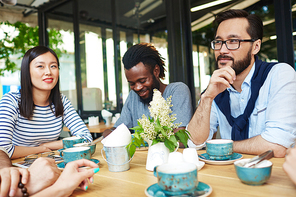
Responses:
[44,126]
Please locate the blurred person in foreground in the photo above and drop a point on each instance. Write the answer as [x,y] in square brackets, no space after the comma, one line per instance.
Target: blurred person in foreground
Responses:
[43,178]
[252,102]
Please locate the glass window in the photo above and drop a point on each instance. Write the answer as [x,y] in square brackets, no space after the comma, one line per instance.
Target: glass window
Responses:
[123,49]
[160,42]
[66,58]
[92,74]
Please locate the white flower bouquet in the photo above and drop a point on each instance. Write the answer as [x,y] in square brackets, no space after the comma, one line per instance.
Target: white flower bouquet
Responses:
[159,127]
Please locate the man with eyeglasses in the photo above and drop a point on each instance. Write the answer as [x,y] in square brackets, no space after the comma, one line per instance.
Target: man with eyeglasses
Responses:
[251,101]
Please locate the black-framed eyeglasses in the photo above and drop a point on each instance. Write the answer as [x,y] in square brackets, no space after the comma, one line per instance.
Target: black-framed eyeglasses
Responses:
[231,44]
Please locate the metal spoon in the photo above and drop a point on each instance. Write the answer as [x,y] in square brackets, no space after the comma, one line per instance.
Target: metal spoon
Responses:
[96,140]
[264,156]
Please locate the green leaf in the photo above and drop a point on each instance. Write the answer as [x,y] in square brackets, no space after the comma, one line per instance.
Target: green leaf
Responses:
[150,119]
[169,145]
[182,136]
[163,133]
[167,128]
[143,142]
[154,142]
[131,148]
[174,140]
[137,135]
[158,123]
[137,142]
[136,128]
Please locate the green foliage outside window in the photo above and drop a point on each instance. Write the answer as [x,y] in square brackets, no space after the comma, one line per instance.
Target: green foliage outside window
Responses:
[27,38]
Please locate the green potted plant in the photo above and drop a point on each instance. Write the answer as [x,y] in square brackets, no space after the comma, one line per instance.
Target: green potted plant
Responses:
[158,127]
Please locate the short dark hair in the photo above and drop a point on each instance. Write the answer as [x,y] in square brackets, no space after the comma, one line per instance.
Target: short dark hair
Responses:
[145,53]
[26,104]
[255,28]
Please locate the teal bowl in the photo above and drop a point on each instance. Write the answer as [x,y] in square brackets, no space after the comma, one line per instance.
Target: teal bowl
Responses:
[253,176]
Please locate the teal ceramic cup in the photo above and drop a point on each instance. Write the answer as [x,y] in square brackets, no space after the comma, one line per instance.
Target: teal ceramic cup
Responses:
[76,153]
[219,149]
[91,146]
[68,142]
[253,175]
[177,178]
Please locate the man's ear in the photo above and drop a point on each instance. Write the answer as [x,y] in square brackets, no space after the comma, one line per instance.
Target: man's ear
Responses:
[156,71]
[256,47]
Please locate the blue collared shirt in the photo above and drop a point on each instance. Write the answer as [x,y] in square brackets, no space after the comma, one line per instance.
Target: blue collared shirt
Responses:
[274,114]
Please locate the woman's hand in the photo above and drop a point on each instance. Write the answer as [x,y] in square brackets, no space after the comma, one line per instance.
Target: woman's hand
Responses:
[55,145]
[10,178]
[71,178]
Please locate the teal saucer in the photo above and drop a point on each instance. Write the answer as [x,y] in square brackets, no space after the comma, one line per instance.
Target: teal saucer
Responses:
[62,165]
[234,157]
[202,189]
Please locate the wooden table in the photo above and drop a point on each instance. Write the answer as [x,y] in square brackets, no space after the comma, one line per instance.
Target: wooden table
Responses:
[100,128]
[222,179]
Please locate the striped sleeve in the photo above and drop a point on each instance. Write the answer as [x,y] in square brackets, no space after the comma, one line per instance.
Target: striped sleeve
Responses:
[73,121]
[8,118]
[4,150]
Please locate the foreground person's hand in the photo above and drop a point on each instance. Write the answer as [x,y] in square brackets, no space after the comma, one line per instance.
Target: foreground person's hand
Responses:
[71,178]
[43,173]
[10,178]
[290,164]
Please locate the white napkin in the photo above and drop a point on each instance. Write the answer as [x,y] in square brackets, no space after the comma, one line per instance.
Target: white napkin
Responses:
[107,116]
[121,136]
[115,118]
[93,121]
[106,113]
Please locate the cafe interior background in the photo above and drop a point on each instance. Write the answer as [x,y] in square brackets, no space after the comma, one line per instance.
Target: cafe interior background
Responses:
[91,37]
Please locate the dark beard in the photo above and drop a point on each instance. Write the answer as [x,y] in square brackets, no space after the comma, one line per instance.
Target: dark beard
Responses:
[240,65]
[155,85]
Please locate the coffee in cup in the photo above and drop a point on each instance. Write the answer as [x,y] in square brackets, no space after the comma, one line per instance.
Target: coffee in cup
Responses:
[176,178]
[219,149]
[68,142]
[76,153]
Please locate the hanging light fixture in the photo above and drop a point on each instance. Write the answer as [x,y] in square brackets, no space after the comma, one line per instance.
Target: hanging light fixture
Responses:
[8,2]
[207,5]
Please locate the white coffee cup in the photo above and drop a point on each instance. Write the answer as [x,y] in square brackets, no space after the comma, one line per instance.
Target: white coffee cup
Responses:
[190,155]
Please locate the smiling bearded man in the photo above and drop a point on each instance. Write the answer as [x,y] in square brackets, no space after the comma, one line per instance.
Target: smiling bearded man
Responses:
[144,69]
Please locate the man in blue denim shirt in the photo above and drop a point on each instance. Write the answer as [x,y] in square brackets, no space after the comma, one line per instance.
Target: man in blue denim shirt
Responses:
[271,122]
